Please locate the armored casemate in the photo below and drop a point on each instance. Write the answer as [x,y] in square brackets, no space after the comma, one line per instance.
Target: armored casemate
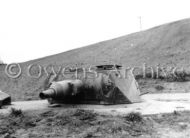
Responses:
[110,84]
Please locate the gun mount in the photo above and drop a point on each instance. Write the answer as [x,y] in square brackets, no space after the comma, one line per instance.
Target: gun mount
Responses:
[105,88]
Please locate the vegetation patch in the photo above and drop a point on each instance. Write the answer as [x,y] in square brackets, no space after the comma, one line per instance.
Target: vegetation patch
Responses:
[74,123]
[159,87]
[16,112]
[134,117]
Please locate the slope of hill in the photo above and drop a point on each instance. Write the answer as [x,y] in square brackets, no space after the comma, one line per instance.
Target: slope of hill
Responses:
[167,45]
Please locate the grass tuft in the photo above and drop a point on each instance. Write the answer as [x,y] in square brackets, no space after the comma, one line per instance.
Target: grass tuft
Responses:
[159,87]
[16,112]
[134,117]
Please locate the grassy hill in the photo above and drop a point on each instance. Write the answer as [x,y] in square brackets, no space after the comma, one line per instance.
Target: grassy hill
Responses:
[167,45]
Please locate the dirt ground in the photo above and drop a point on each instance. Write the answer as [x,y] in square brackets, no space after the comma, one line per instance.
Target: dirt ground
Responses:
[78,123]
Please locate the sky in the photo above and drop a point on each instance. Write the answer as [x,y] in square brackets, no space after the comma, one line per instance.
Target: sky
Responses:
[31,29]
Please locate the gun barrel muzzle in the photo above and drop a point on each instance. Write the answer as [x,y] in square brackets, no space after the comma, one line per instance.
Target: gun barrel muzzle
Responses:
[47,94]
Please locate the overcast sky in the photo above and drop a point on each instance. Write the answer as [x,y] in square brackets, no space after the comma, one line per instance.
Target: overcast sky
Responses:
[38,28]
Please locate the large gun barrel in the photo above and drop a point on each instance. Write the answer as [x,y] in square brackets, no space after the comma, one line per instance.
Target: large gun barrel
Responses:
[62,89]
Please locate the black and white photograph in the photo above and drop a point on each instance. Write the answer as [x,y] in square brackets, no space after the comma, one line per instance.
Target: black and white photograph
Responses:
[94,69]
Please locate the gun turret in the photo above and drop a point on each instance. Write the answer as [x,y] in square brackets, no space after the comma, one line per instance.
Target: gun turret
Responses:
[103,89]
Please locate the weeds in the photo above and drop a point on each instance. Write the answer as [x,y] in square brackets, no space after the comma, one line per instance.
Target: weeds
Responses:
[78,123]
[159,87]
[16,112]
[85,114]
[176,112]
[134,117]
